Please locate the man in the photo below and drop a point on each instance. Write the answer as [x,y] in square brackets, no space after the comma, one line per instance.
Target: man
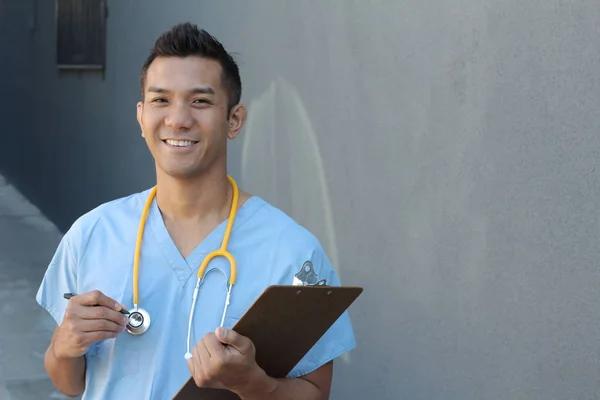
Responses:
[190,108]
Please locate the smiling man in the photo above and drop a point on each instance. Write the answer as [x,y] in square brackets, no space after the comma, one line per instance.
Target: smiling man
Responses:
[133,261]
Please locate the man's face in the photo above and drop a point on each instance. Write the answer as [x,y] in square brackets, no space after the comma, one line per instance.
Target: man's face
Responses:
[184,115]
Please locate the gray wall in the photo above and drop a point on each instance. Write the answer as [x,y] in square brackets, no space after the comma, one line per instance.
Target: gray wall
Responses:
[17,36]
[445,152]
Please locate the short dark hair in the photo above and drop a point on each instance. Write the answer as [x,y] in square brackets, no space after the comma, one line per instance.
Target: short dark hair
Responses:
[186,39]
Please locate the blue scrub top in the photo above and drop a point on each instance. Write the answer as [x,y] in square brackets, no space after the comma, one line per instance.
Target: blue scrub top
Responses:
[97,254]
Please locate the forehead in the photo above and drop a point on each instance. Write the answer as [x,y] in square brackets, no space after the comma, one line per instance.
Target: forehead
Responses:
[182,73]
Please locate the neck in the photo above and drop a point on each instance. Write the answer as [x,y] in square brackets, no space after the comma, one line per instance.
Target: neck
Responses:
[190,200]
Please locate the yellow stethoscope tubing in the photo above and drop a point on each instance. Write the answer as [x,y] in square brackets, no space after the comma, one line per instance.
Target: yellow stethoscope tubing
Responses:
[138,246]
[222,252]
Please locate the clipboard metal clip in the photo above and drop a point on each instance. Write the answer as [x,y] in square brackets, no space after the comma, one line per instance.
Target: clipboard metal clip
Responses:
[308,277]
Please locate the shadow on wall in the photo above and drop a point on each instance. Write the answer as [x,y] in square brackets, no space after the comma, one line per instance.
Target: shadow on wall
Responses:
[281,161]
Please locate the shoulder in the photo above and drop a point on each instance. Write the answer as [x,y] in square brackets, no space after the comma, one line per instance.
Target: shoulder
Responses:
[112,210]
[114,213]
[281,227]
[291,246]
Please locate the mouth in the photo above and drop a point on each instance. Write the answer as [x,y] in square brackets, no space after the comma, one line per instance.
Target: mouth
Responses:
[179,143]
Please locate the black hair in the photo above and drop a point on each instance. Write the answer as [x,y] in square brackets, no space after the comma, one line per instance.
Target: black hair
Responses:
[186,39]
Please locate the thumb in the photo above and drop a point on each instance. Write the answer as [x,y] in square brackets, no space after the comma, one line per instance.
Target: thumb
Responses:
[226,336]
[232,338]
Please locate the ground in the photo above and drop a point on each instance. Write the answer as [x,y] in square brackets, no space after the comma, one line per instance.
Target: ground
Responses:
[27,242]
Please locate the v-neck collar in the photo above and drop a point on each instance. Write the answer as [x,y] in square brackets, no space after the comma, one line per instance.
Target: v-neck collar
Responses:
[185,267]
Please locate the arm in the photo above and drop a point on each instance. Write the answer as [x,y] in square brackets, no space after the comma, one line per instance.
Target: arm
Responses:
[89,318]
[68,374]
[313,386]
[226,360]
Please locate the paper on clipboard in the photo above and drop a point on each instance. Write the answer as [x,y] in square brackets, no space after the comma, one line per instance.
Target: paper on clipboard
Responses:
[284,323]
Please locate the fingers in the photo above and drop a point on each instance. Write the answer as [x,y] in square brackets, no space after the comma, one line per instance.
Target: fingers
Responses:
[203,365]
[199,366]
[191,365]
[90,317]
[95,305]
[196,356]
[203,353]
[196,370]
[97,298]
[234,339]
[103,313]
[99,325]
[221,366]
[213,346]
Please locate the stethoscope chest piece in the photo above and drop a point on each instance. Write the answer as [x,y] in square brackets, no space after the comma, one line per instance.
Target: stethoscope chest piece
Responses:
[139,321]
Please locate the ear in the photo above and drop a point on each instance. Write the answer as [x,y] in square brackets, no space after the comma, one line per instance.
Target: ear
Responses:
[237,118]
[140,110]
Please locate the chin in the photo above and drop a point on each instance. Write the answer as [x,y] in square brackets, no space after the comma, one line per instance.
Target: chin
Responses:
[181,173]
[177,170]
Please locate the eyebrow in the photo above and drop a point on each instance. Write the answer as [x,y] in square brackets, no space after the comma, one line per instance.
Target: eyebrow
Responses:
[196,90]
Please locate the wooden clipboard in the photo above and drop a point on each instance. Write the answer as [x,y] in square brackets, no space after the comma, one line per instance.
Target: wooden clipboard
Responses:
[284,323]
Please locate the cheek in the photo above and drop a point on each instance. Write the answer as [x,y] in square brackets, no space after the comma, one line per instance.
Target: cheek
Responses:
[150,126]
[211,121]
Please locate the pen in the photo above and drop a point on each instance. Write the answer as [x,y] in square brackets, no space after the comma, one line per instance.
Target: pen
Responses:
[69,295]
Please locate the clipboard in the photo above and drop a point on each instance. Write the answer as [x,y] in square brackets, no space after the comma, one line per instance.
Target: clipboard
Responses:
[284,323]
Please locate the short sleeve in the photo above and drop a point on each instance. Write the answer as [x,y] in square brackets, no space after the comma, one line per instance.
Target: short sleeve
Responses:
[340,338]
[60,278]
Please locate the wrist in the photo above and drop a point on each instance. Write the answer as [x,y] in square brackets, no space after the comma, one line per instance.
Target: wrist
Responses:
[57,355]
[259,386]
[60,355]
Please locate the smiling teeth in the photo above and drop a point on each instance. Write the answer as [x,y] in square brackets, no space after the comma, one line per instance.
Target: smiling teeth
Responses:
[179,143]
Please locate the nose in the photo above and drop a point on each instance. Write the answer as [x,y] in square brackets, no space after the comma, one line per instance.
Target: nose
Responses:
[179,118]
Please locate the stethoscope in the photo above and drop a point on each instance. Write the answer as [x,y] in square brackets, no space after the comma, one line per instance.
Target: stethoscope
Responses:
[139,319]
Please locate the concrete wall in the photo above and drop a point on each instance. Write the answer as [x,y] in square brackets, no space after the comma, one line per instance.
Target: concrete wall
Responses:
[17,36]
[445,152]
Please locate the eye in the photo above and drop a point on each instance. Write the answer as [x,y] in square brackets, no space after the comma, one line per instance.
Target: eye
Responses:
[158,100]
[202,101]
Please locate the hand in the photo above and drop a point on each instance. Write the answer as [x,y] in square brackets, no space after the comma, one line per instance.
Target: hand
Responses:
[89,318]
[225,360]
